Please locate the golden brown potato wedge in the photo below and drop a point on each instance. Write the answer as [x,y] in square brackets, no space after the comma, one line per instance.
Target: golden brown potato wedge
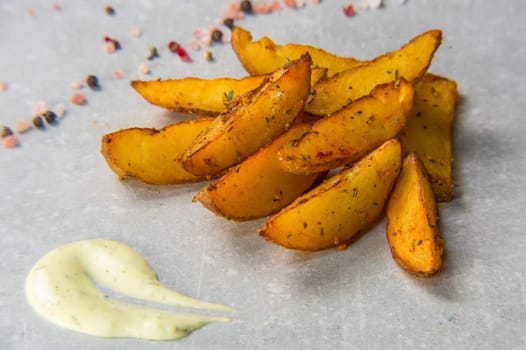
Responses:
[257,187]
[151,155]
[264,56]
[410,61]
[428,131]
[251,121]
[352,132]
[195,95]
[333,213]
[412,228]
[202,96]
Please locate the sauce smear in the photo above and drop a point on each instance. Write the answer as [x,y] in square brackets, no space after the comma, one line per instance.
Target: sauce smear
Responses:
[61,288]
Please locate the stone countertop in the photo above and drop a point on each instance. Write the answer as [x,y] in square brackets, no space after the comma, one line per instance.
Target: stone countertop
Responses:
[56,187]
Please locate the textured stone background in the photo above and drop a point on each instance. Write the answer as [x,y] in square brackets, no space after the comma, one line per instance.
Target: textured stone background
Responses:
[56,188]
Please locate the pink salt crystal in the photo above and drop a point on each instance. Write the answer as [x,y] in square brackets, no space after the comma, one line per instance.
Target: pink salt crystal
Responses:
[39,108]
[57,7]
[3,86]
[291,3]
[78,99]
[315,1]
[233,10]
[60,110]
[262,8]
[194,45]
[136,32]
[22,126]
[144,69]
[10,141]
[119,74]
[77,84]
[110,47]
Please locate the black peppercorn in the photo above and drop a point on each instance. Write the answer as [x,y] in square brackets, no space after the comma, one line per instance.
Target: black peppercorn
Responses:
[38,122]
[216,36]
[109,10]
[229,23]
[50,117]
[92,81]
[246,6]
[5,131]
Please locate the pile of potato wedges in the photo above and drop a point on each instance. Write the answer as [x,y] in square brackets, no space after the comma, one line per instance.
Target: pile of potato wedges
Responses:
[321,145]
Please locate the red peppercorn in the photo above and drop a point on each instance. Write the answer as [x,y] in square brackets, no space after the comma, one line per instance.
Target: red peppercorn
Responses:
[179,51]
[173,46]
[349,11]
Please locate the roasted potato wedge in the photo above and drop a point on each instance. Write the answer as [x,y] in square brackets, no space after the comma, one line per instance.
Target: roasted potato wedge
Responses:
[251,122]
[152,155]
[202,96]
[410,61]
[333,213]
[429,131]
[352,132]
[257,187]
[413,229]
[264,56]
[195,95]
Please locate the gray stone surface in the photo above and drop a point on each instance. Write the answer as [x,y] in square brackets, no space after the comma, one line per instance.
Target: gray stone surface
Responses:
[56,188]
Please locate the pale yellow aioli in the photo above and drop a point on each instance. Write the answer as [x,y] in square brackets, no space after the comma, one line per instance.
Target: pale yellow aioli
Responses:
[61,288]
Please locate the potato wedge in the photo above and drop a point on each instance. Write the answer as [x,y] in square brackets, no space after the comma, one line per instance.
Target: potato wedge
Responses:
[202,96]
[352,132]
[257,187]
[264,56]
[412,228]
[410,61]
[428,131]
[251,121]
[152,155]
[333,213]
[195,95]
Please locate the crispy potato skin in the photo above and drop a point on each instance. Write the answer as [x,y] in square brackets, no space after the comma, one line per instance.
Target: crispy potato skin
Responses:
[429,131]
[251,121]
[151,155]
[203,97]
[412,228]
[264,56]
[257,187]
[195,95]
[351,133]
[410,61]
[333,213]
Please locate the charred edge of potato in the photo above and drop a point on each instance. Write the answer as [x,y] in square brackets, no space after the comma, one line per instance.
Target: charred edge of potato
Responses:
[426,200]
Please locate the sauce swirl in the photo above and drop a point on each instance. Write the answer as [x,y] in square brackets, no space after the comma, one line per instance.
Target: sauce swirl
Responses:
[61,288]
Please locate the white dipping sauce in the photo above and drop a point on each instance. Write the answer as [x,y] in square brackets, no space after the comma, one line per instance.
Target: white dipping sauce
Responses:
[61,288]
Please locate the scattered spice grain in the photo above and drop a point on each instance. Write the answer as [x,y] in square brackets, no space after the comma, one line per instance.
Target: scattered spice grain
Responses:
[78,99]
[50,117]
[3,86]
[144,69]
[246,6]
[207,55]
[5,131]
[38,122]
[92,81]
[22,126]
[216,35]
[76,84]
[349,11]
[10,141]
[39,108]
[229,23]
[109,10]
[119,74]
[152,53]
